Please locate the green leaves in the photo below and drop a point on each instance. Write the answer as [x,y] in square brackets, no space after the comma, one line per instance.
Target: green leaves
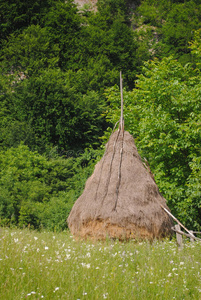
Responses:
[38,191]
[30,52]
[16,16]
[58,70]
[171,24]
[53,109]
[177,29]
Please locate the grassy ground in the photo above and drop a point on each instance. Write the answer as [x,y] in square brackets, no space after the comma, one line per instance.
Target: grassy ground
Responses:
[51,265]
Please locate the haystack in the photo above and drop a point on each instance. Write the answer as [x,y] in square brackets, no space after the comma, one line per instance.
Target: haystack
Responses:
[121,199]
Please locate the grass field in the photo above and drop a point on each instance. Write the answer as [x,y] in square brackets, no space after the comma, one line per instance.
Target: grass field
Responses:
[51,265]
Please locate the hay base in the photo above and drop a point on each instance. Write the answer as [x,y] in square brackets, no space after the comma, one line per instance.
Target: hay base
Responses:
[101,230]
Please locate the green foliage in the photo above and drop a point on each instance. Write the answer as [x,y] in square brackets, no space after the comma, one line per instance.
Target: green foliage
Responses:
[152,12]
[173,23]
[58,71]
[113,43]
[195,47]
[30,51]
[54,109]
[98,74]
[53,215]
[193,203]
[64,25]
[18,15]
[39,192]
[177,31]
[110,10]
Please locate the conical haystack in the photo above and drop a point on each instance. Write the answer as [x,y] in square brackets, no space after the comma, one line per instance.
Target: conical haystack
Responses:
[121,199]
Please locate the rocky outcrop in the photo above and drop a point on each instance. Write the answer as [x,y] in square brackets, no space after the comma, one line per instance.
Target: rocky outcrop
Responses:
[81,3]
[132,4]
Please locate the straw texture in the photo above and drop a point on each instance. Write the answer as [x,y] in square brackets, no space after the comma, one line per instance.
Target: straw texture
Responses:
[121,199]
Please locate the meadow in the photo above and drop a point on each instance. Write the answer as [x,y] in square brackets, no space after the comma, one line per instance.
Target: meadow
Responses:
[48,265]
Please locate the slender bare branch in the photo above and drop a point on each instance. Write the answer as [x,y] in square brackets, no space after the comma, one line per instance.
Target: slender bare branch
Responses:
[122,103]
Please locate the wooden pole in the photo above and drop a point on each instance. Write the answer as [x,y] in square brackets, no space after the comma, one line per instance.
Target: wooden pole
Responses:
[180,232]
[189,232]
[186,234]
[191,238]
[122,103]
[179,236]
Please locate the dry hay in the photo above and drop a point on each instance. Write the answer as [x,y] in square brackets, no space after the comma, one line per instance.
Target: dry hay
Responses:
[121,199]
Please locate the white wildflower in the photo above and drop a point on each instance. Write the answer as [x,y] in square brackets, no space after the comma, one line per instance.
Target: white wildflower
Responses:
[86,265]
[56,289]
[32,293]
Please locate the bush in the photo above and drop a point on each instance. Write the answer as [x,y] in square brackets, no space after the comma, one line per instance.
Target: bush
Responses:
[37,191]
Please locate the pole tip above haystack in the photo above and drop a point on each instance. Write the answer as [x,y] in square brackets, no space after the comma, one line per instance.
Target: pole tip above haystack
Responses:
[121,125]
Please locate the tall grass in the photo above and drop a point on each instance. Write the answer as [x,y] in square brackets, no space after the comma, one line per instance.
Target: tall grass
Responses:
[51,265]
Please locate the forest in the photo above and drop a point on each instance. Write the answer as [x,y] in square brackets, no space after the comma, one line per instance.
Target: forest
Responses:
[60,99]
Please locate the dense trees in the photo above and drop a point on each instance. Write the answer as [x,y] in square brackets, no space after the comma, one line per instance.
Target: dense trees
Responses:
[15,16]
[58,113]
[56,64]
[168,26]
[30,51]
